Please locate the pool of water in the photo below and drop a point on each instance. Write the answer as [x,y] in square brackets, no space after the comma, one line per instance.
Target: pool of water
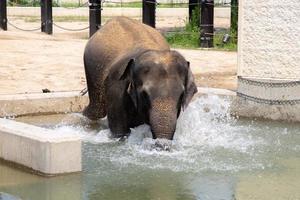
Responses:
[213,156]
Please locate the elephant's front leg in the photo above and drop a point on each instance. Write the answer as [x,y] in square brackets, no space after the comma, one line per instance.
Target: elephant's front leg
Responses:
[119,119]
[117,122]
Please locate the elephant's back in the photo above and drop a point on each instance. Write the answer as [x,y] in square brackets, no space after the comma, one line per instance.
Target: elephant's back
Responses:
[120,36]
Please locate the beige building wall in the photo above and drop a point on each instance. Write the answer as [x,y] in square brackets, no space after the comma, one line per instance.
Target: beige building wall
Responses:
[269,39]
[269,60]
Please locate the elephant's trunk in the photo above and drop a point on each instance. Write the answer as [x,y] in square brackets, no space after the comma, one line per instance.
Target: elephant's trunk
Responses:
[163,117]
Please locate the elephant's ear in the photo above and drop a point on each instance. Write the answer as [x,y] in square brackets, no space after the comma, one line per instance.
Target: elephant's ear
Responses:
[126,70]
[190,87]
[127,74]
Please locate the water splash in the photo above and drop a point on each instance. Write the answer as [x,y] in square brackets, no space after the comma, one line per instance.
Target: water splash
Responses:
[207,138]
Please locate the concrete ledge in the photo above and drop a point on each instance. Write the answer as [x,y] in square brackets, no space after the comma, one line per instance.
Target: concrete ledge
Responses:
[270,89]
[66,102]
[246,108]
[275,99]
[50,152]
[46,151]
[41,103]
[215,91]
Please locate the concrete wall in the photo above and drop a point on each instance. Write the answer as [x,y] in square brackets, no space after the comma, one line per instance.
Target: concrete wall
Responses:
[268,59]
[269,39]
[46,151]
[45,103]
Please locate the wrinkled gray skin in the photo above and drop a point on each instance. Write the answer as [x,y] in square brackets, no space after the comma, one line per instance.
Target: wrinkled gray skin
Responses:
[133,77]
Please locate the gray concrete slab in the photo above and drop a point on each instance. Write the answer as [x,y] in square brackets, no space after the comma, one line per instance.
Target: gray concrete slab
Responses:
[41,103]
[43,150]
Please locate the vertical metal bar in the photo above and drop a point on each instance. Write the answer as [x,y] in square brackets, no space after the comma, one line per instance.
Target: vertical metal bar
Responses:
[234,17]
[43,18]
[46,16]
[3,15]
[207,24]
[95,15]
[193,4]
[149,7]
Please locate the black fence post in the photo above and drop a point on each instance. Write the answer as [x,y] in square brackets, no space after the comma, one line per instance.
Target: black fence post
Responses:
[193,4]
[95,15]
[234,17]
[46,16]
[149,7]
[207,24]
[3,15]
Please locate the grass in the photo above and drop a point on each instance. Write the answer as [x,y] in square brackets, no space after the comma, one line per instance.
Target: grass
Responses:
[36,3]
[66,4]
[57,18]
[190,39]
[137,4]
[229,46]
[140,4]
[125,4]
[25,3]
[182,39]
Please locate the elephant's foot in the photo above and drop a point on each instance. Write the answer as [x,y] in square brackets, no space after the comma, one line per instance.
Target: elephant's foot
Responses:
[94,112]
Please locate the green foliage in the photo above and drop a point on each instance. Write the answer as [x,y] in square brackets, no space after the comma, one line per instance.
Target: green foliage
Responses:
[234,17]
[68,18]
[185,40]
[189,37]
[139,4]
[65,4]
[193,24]
[26,3]
[170,5]
[125,4]
[231,45]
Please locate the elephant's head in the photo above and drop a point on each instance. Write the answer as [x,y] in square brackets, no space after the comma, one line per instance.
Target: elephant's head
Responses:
[160,85]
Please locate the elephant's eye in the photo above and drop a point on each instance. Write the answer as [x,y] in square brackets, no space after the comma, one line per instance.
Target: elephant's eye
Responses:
[146,70]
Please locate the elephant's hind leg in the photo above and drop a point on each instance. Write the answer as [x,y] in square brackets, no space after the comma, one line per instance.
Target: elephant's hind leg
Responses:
[97,105]
[96,90]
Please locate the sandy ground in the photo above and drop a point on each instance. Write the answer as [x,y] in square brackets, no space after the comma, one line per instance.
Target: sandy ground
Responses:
[32,61]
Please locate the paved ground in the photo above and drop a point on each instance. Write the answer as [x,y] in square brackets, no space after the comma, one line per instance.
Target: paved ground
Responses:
[30,62]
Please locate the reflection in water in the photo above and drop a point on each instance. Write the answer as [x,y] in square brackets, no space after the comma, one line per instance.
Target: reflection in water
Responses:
[213,156]
[148,185]
[28,186]
[213,187]
[283,183]
[5,196]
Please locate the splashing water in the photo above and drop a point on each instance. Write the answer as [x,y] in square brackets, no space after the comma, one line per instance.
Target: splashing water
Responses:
[207,138]
[212,156]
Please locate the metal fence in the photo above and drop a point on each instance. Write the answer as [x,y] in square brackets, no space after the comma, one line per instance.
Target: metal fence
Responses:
[148,14]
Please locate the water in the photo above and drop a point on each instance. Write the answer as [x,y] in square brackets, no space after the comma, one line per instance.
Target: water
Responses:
[213,156]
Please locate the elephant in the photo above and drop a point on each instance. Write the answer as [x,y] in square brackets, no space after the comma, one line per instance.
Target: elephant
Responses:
[133,77]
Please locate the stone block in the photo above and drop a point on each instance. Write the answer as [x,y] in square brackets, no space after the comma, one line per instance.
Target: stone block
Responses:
[43,150]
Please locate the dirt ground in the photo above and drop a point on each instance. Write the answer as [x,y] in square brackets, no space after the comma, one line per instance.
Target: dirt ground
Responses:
[32,61]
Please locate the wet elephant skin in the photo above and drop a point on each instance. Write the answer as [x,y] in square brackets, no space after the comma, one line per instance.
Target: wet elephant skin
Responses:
[133,77]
